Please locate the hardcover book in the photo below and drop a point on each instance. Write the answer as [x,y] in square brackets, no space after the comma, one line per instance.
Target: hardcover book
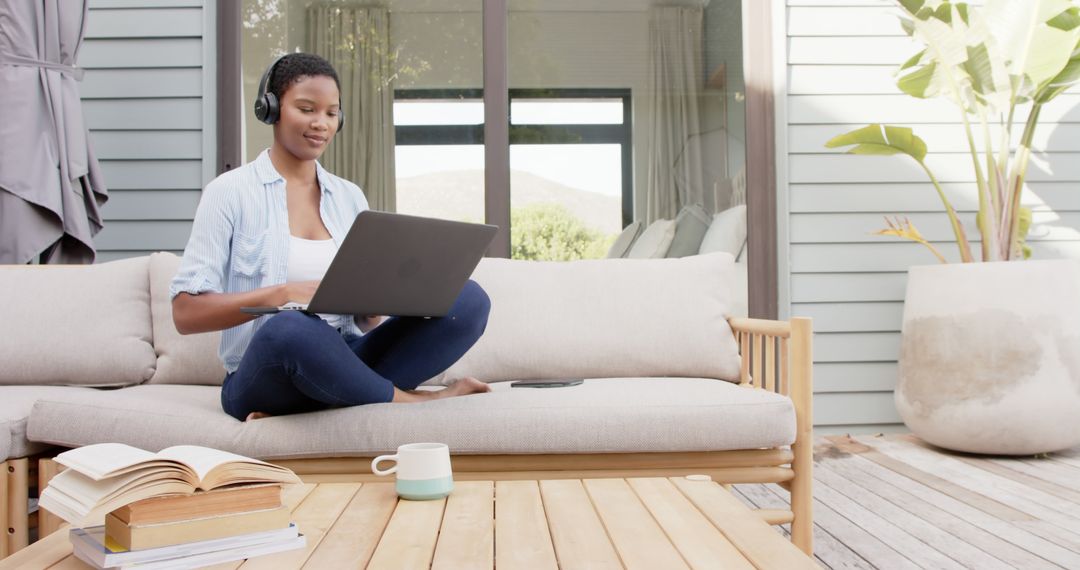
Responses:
[120,535]
[106,476]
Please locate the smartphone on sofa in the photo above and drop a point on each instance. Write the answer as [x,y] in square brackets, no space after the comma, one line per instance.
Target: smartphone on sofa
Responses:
[546,382]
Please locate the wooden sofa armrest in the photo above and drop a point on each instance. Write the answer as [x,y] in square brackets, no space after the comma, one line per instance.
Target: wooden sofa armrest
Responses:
[778,356]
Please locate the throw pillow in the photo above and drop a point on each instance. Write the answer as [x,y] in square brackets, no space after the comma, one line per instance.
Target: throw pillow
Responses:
[654,241]
[77,325]
[181,359]
[584,319]
[690,227]
[626,239]
[727,232]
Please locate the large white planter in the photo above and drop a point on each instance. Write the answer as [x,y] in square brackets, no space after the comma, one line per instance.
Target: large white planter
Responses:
[990,357]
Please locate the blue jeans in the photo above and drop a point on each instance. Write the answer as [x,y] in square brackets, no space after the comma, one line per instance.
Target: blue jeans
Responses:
[298,363]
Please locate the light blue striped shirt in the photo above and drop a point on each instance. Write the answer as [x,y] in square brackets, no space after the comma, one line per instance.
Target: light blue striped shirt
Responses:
[240,240]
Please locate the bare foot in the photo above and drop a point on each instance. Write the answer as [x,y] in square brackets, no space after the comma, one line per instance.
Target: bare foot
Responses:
[466,385]
[256,416]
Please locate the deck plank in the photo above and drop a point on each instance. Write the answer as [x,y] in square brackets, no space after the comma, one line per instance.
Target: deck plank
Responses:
[756,496]
[317,512]
[352,540]
[753,536]
[864,447]
[876,553]
[946,544]
[701,544]
[70,563]
[941,511]
[828,551]
[410,536]
[1066,538]
[637,537]
[522,538]
[292,497]
[1068,457]
[54,549]
[467,537]
[1059,479]
[576,531]
[1038,504]
[969,506]
[886,530]
[1032,476]
[1043,473]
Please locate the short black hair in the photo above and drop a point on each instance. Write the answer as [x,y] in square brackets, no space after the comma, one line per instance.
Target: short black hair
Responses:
[296,65]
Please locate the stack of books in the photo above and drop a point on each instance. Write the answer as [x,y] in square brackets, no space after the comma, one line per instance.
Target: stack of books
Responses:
[185,506]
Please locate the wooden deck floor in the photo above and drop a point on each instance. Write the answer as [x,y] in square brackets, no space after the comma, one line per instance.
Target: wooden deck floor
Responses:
[895,502]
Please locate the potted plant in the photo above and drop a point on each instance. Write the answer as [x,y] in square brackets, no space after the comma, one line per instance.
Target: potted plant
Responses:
[990,358]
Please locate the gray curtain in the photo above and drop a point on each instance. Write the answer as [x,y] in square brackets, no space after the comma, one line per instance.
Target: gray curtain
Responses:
[51,187]
[356,40]
[675,84]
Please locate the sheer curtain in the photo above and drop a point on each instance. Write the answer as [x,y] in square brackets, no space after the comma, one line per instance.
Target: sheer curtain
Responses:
[675,79]
[356,40]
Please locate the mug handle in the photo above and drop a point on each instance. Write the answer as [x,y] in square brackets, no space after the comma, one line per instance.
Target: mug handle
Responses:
[375,462]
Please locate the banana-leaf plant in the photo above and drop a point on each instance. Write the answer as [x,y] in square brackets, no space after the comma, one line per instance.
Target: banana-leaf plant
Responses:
[994,62]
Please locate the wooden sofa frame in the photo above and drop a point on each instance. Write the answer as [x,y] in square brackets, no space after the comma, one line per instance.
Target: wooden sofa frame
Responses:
[776,356]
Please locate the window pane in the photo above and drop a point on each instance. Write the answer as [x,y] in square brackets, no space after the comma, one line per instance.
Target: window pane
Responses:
[566,112]
[427,112]
[441,181]
[680,64]
[566,201]
[378,48]
[445,42]
[588,56]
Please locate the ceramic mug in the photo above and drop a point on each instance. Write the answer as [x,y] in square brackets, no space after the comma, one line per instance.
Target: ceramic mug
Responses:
[423,470]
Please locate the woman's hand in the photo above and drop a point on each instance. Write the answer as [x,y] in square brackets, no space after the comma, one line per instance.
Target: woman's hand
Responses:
[208,311]
[300,292]
[369,322]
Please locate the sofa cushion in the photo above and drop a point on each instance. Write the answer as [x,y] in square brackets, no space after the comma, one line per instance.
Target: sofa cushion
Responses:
[690,227]
[654,241]
[181,359]
[727,232]
[621,246]
[604,318]
[613,415]
[15,405]
[76,325]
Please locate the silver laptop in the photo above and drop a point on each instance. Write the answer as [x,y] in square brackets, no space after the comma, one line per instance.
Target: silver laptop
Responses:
[397,265]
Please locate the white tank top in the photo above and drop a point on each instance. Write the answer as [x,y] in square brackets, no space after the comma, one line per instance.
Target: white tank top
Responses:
[308,261]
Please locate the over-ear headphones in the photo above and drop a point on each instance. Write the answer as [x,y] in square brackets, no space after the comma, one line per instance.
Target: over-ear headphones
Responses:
[267,109]
[267,106]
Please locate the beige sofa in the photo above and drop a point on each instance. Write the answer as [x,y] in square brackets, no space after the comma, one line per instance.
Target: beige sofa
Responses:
[90,354]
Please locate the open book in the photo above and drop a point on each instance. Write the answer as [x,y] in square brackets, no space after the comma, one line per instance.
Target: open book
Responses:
[106,476]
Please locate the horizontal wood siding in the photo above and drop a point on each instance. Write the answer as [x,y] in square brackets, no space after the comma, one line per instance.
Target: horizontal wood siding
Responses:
[842,56]
[143,97]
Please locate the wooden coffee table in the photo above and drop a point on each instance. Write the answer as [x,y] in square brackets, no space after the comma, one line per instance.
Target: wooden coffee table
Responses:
[596,523]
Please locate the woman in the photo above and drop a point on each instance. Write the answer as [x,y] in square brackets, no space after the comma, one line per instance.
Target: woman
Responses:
[264,234]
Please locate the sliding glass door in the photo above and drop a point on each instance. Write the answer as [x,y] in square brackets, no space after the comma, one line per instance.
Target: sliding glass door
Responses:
[621,116]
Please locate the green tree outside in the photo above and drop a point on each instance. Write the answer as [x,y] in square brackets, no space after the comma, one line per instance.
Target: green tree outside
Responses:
[550,232]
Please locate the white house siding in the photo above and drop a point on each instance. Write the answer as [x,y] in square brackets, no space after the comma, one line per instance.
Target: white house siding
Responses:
[149,101]
[841,56]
